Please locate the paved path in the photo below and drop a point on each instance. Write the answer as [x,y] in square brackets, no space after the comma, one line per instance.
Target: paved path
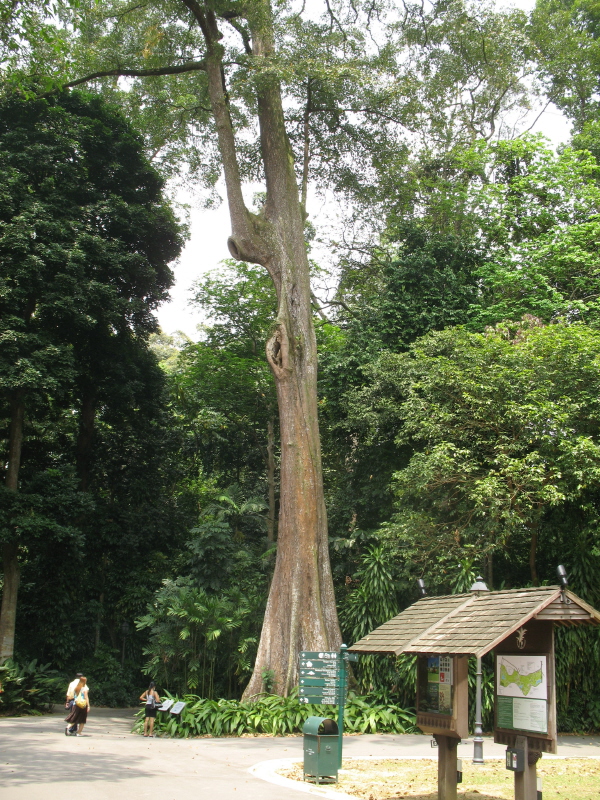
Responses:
[37,762]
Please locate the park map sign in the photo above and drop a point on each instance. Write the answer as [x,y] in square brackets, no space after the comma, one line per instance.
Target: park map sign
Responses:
[522,692]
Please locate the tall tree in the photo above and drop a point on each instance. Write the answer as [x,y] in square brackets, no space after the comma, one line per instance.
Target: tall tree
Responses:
[220,67]
[86,240]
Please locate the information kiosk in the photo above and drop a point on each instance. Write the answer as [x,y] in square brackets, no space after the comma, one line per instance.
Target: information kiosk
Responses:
[518,625]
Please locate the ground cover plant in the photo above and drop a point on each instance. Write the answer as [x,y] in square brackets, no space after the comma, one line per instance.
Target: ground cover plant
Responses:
[28,688]
[572,778]
[276,716]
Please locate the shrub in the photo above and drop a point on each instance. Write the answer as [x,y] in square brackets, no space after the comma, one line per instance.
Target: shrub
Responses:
[28,688]
[276,716]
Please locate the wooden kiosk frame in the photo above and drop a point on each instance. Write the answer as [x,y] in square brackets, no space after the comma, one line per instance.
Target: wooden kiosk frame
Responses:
[516,624]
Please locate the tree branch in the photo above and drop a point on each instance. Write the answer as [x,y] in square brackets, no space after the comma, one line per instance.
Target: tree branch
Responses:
[175,69]
[306,154]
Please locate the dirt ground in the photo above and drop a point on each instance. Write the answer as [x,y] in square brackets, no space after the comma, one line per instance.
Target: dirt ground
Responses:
[562,779]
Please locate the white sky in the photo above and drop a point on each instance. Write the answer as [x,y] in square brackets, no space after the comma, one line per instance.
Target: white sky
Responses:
[209,229]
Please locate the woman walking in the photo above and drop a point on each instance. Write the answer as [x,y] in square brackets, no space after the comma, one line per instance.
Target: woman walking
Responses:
[81,706]
[152,700]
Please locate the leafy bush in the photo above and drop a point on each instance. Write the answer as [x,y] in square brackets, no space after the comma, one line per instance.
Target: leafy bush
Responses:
[201,641]
[111,684]
[276,716]
[28,689]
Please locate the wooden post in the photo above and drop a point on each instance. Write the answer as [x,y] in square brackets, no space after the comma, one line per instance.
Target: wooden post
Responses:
[447,767]
[526,781]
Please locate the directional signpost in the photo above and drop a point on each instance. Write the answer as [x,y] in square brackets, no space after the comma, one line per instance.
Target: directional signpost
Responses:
[323,681]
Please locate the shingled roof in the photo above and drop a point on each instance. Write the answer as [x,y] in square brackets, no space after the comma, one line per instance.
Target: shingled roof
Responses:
[471,624]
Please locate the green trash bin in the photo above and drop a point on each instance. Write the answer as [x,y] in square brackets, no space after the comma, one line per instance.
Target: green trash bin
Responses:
[321,750]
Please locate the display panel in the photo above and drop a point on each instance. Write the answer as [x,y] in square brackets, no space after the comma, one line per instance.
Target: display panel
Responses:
[522,692]
[436,684]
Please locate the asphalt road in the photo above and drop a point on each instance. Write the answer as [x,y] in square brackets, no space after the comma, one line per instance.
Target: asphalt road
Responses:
[38,762]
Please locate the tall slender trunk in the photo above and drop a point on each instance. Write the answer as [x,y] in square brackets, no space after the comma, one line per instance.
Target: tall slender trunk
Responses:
[10,550]
[532,556]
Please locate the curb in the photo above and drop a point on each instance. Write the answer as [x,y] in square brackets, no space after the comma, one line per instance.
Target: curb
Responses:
[267,771]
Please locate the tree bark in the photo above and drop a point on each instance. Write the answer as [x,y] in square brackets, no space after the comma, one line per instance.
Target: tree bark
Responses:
[10,550]
[271,479]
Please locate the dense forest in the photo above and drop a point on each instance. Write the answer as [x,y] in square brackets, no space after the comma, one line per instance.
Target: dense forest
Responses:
[169,503]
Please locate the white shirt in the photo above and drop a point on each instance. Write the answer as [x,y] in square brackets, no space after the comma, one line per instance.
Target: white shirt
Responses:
[71,687]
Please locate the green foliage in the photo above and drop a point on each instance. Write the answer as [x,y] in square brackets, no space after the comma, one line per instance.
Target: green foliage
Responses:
[276,716]
[201,640]
[506,429]
[370,602]
[112,684]
[86,238]
[28,688]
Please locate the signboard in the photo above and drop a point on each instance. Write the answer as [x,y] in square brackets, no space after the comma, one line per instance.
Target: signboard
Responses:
[166,705]
[522,692]
[319,666]
[442,695]
[323,656]
[320,678]
[320,700]
[436,684]
[178,707]
[525,701]
[323,695]
[318,681]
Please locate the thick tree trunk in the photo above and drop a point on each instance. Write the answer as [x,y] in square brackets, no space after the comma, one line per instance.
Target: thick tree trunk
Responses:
[10,550]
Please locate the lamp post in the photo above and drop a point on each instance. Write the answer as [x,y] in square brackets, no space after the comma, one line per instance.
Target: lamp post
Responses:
[478,587]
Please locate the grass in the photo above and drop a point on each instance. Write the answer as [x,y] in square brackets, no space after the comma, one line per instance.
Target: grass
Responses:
[563,779]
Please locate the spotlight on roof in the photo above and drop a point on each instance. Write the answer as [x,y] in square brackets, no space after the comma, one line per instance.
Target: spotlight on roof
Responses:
[562,576]
[421,585]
